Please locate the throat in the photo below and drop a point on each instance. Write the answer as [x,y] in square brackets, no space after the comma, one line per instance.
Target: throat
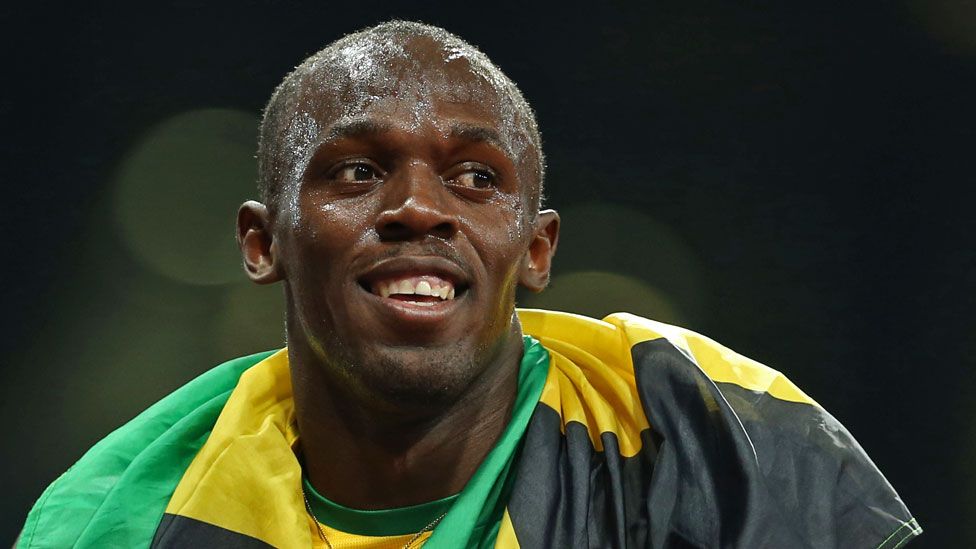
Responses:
[388,465]
[402,470]
[365,456]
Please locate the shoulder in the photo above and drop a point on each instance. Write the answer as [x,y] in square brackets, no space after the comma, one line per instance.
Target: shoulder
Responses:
[727,432]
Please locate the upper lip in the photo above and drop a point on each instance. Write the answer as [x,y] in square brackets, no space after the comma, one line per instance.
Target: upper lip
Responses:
[415,266]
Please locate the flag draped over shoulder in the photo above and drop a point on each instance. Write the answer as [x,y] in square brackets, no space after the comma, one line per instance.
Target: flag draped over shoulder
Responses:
[649,435]
[116,493]
[626,433]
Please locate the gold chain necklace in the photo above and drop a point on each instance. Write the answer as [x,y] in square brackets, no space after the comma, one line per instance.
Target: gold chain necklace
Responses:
[318,525]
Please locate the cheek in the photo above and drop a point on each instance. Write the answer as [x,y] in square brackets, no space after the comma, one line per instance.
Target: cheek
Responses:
[333,221]
[323,237]
[498,236]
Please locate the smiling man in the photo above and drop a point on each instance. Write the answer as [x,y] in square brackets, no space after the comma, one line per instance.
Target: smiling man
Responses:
[401,187]
[401,179]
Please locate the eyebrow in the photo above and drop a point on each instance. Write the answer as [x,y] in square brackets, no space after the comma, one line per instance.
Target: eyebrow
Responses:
[478,134]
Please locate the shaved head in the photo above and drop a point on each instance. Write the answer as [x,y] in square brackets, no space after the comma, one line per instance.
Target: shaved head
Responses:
[404,64]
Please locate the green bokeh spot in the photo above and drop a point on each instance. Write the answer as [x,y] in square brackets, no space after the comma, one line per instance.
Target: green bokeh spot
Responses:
[597,294]
[178,190]
[615,258]
[251,319]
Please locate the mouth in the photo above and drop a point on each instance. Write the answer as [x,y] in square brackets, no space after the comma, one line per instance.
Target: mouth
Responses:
[422,282]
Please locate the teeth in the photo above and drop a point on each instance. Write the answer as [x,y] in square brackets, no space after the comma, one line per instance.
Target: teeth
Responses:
[406,287]
[416,285]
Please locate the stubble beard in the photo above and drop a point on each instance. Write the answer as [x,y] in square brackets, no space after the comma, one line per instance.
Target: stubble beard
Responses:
[411,381]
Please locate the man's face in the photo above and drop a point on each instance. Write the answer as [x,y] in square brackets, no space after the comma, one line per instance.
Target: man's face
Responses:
[402,239]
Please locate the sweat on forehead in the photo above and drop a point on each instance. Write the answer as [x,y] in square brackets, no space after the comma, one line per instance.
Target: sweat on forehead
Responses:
[404,62]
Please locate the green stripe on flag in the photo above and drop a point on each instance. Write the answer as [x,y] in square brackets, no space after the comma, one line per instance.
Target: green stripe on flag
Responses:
[115,495]
[476,515]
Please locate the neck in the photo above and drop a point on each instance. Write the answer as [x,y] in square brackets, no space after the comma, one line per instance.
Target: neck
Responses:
[364,457]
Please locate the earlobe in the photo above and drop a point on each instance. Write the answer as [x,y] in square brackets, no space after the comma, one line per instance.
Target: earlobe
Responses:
[534,273]
[256,241]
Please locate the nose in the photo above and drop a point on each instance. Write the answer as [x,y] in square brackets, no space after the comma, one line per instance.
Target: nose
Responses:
[415,205]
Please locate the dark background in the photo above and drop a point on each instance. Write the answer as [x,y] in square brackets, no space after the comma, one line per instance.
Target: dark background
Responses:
[793,180]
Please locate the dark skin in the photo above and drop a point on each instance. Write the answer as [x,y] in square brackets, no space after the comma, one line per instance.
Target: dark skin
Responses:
[399,397]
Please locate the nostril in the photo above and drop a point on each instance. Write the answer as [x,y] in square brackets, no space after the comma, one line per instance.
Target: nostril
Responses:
[411,225]
[444,230]
[393,230]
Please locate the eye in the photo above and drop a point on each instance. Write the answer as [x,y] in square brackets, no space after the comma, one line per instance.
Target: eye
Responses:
[475,178]
[359,171]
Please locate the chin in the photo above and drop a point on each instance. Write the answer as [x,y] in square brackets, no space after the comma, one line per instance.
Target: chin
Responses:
[417,377]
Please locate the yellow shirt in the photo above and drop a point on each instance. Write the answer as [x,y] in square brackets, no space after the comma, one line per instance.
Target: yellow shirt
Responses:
[345,540]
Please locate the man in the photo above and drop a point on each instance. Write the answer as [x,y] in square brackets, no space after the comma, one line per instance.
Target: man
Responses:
[401,178]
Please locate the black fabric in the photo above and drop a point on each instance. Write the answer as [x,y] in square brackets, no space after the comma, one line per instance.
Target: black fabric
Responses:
[739,468]
[721,466]
[567,494]
[817,475]
[707,490]
[183,532]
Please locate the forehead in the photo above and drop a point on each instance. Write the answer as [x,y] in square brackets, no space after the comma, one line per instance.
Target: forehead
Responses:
[415,81]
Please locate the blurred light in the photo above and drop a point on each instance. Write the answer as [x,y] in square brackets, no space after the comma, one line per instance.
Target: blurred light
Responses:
[597,294]
[950,22]
[109,358]
[252,319]
[178,190]
[648,259]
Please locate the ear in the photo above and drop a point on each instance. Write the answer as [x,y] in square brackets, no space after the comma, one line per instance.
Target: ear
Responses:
[256,241]
[534,273]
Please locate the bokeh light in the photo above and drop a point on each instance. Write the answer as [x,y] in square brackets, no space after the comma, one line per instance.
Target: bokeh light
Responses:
[614,258]
[251,319]
[951,23]
[128,340]
[177,193]
[597,294]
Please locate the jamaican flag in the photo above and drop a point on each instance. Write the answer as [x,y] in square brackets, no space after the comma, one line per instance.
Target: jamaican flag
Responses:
[625,433]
